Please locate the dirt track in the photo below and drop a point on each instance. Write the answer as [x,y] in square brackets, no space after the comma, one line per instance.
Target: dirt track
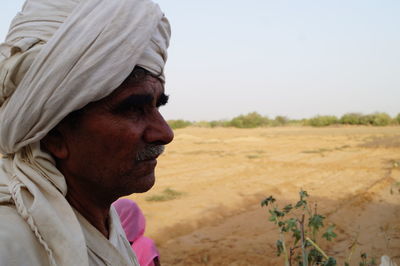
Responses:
[225,173]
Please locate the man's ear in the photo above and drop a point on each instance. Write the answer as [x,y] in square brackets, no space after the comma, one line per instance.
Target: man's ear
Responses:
[55,143]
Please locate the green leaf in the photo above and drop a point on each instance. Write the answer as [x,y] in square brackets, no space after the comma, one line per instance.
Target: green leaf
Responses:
[279,246]
[300,203]
[316,221]
[267,201]
[363,259]
[329,234]
[296,235]
[273,218]
[372,262]
[314,256]
[291,223]
[277,213]
[307,244]
[288,208]
[330,262]
[303,194]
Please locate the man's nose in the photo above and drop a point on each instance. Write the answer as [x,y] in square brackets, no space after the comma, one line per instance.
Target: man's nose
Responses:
[158,131]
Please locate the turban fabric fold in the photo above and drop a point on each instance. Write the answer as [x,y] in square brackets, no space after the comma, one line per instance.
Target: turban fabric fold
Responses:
[60,55]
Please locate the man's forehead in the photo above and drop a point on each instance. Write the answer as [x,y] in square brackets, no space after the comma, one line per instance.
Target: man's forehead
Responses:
[149,85]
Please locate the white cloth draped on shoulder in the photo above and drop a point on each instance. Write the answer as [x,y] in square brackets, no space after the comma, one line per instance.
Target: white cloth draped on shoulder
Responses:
[58,56]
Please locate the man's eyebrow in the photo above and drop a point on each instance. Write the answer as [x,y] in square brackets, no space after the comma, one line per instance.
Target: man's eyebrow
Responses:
[162,100]
[137,100]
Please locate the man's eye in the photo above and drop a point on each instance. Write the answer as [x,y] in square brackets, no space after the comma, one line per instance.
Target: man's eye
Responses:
[131,109]
[138,109]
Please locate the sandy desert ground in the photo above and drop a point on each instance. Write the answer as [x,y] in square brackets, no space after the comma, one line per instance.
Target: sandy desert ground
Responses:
[224,173]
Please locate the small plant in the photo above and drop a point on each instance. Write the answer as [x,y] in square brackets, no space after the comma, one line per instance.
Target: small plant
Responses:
[300,228]
[395,188]
[366,262]
[302,224]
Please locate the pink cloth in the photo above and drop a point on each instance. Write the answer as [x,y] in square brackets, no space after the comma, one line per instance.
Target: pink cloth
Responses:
[134,224]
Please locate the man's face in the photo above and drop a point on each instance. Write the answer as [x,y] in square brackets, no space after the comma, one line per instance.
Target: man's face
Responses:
[111,149]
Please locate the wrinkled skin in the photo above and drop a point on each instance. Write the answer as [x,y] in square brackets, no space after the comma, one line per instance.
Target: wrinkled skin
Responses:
[98,155]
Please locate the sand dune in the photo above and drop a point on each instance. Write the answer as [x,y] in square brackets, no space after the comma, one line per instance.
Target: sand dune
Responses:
[223,174]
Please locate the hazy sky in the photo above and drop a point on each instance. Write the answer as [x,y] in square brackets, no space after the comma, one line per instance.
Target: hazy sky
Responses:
[297,58]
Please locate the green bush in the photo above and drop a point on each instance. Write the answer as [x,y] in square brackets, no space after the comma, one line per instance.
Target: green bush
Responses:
[175,124]
[201,124]
[280,121]
[250,120]
[295,122]
[366,120]
[254,119]
[376,119]
[351,119]
[322,120]
[212,124]
[219,123]
[381,119]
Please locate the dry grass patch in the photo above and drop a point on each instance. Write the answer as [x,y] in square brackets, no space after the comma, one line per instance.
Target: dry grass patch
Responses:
[167,194]
[383,142]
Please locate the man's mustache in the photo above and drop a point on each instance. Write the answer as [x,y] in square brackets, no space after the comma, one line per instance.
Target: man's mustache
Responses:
[149,152]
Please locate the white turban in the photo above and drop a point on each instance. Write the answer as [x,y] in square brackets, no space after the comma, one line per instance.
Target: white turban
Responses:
[60,55]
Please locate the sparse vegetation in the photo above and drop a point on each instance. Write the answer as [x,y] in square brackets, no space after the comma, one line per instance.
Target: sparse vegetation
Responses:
[167,194]
[376,119]
[254,119]
[280,121]
[253,156]
[175,124]
[219,123]
[383,142]
[323,121]
[250,120]
[321,151]
[318,151]
[351,119]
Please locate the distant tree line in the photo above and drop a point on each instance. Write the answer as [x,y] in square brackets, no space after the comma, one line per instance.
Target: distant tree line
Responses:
[254,119]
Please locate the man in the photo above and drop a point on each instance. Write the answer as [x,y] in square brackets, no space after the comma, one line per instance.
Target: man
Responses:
[81,82]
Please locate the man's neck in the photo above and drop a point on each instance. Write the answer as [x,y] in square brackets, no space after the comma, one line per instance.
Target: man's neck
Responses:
[97,214]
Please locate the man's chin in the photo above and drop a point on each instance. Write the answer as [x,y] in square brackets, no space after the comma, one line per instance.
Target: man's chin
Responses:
[144,188]
[143,183]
